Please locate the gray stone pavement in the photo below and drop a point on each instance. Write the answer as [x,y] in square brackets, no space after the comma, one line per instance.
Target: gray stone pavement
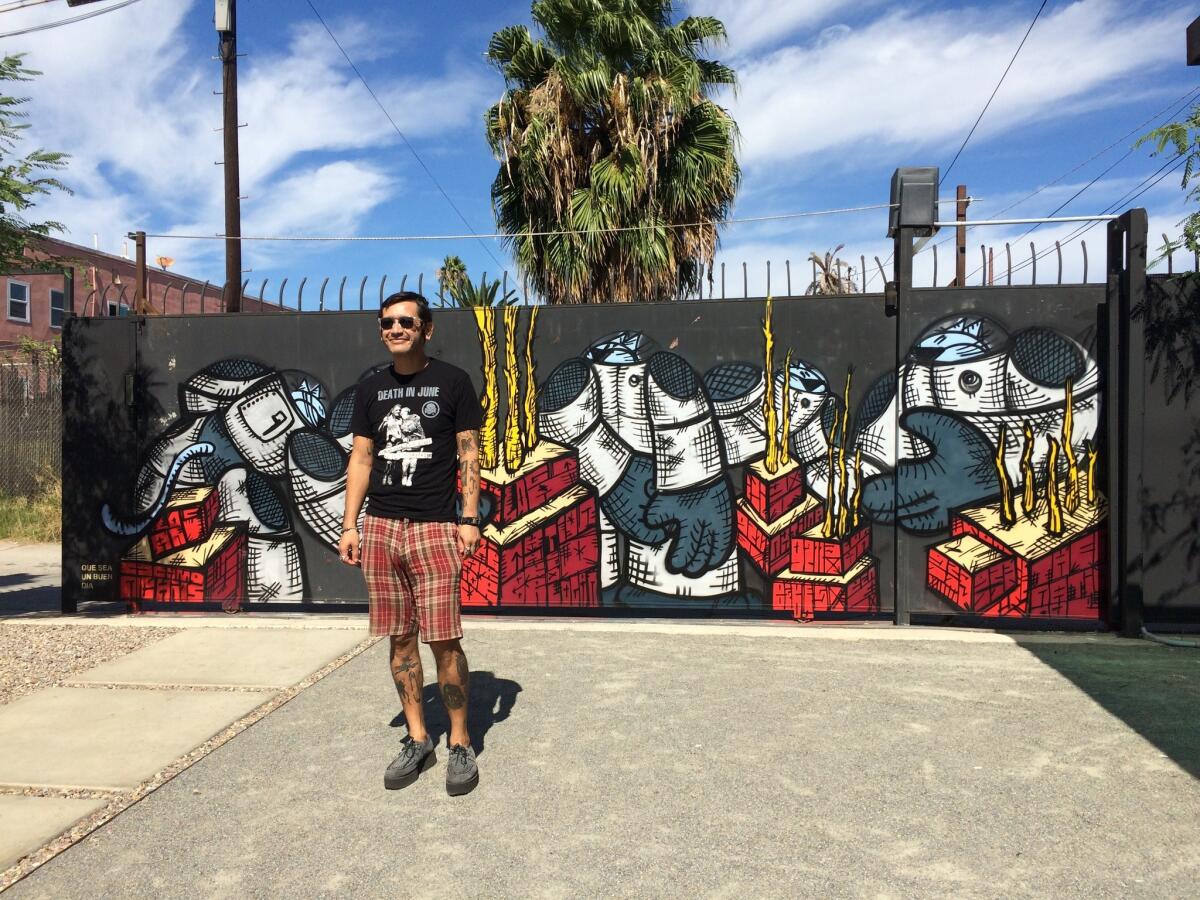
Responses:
[674,760]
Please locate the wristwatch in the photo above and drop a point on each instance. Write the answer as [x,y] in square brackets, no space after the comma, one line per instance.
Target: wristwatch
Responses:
[470,520]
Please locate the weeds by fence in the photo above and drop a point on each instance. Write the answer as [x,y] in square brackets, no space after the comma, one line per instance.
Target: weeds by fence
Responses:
[30,426]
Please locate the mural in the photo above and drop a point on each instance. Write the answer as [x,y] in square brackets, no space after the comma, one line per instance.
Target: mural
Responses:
[630,479]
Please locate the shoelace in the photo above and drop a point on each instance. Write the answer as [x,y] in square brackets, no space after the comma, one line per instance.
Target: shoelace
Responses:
[458,755]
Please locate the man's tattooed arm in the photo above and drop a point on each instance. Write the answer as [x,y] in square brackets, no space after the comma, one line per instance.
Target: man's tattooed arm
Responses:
[468,471]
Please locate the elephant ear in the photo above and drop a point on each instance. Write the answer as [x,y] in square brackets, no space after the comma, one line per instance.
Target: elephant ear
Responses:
[1048,358]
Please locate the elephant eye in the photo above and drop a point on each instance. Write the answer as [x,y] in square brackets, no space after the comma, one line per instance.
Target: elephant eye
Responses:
[635,380]
[970,381]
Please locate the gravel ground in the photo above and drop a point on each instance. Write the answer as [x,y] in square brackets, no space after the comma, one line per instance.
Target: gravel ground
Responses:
[34,656]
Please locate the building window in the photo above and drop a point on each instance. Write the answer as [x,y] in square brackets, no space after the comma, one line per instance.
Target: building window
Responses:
[18,301]
[58,308]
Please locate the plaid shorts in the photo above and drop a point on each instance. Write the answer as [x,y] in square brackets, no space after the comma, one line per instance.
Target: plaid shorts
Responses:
[412,571]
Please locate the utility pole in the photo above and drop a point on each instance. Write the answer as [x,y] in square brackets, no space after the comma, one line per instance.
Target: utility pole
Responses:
[226,22]
[960,236]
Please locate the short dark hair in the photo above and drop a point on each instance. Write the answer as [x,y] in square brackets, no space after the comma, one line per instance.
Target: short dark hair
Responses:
[424,313]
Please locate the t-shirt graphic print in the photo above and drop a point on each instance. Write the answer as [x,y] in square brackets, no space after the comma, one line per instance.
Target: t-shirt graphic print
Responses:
[412,421]
[403,442]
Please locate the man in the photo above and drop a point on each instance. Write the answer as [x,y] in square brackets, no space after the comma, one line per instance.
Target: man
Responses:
[422,412]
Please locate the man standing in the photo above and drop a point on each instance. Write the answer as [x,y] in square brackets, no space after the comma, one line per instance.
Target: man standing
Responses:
[423,413]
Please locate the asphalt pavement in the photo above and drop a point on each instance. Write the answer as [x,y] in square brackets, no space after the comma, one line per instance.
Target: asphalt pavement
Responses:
[670,759]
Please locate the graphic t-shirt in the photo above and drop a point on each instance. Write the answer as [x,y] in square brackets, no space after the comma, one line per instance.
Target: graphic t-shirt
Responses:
[414,420]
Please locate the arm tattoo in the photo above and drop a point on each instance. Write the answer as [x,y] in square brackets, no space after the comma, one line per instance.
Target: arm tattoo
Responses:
[468,469]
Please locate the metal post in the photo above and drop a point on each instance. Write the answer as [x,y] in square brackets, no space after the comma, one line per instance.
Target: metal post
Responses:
[902,272]
[1127,239]
[960,236]
[139,292]
[227,47]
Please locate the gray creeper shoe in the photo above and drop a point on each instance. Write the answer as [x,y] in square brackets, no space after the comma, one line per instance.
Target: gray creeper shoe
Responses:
[414,759]
[462,773]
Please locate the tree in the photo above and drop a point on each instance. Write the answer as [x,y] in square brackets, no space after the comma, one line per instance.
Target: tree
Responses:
[606,131]
[454,281]
[21,181]
[834,275]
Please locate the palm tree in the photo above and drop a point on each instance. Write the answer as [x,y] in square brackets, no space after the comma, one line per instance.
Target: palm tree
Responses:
[833,275]
[606,131]
[451,276]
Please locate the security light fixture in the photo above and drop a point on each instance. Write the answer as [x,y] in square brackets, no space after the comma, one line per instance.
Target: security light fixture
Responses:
[224,15]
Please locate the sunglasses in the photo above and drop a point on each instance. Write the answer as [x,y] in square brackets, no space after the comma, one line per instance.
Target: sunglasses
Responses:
[408,323]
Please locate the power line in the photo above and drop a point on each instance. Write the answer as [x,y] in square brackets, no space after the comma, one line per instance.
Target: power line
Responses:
[1128,197]
[1171,110]
[410,147]
[994,92]
[46,26]
[476,235]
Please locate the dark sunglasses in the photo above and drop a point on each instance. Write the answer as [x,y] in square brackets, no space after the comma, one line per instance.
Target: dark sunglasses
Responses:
[408,323]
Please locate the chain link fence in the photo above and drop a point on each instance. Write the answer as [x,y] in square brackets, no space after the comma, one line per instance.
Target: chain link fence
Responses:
[30,425]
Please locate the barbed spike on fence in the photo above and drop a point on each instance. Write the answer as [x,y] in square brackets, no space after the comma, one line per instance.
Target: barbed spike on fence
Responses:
[935,282]
[321,295]
[300,295]
[245,284]
[362,286]
[203,297]
[1033,258]
[1008,263]
[281,287]
[722,281]
[768,278]
[382,282]
[862,261]
[403,280]
[262,291]
[882,274]
[745,282]
[983,265]
[787,266]
[1083,244]
[341,288]
[420,282]
[1058,250]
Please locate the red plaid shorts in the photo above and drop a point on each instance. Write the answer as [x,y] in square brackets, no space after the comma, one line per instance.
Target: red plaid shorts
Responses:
[412,571]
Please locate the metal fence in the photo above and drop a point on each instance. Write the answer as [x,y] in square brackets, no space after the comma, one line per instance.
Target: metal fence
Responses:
[30,425]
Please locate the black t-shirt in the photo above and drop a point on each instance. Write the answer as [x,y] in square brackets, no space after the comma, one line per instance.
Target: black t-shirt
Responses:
[413,420]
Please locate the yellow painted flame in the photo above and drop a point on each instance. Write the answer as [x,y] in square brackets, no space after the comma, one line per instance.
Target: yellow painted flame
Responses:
[772,459]
[514,449]
[1093,456]
[1071,501]
[843,518]
[531,424]
[856,502]
[1054,523]
[1028,478]
[1008,513]
[489,449]
[785,415]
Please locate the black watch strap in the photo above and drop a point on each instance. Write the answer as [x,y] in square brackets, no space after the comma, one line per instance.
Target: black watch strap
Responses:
[470,520]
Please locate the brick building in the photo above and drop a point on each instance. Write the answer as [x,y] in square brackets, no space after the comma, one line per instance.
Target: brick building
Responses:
[89,282]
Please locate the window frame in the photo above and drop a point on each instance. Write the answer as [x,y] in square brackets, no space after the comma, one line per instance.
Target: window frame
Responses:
[9,301]
[62,310]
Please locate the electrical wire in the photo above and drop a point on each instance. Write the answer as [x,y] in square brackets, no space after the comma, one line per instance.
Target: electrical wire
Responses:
[454,237]
[46,26]
[1171,110]
[407,144]
[994,92]
[1132,194]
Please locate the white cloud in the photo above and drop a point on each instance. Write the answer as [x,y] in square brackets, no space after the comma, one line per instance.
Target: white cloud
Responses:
[756,24]
[140,125]
[919,79]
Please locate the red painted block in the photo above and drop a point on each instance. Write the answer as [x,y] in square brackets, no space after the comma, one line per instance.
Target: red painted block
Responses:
[549,470]
[771,496]
[768,545]
[813,554]
[550,557]
[805,595]
[211,572]
[971,575]
[187,518]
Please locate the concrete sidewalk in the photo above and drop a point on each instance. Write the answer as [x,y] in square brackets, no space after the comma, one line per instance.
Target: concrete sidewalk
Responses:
[675,760]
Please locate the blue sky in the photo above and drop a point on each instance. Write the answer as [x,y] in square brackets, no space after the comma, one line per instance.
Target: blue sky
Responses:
[833,96]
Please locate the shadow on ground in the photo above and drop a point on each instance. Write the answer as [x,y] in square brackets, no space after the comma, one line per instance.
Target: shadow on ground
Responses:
[492,699]
[1153,689]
